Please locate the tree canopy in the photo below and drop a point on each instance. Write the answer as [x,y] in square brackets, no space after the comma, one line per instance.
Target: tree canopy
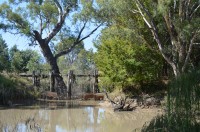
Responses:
[170,27]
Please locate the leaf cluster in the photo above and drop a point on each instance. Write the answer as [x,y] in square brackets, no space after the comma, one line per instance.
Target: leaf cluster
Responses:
[124,61]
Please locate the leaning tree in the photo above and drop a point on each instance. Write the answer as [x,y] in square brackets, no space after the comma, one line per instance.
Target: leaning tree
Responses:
[43,20]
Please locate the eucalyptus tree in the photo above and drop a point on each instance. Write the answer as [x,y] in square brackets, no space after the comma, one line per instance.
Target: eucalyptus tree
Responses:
[181,22]
[42,20]
[172,24]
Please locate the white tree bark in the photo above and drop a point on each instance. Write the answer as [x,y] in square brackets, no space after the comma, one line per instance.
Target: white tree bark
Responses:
[180,50]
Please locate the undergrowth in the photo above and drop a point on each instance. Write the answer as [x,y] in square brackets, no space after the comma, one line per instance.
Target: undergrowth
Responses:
[183,106]
[14,87]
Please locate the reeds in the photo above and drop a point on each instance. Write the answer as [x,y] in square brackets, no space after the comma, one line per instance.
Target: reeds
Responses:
[183,106]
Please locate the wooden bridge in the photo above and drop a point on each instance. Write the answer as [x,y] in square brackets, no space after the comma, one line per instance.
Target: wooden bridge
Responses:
[36,77]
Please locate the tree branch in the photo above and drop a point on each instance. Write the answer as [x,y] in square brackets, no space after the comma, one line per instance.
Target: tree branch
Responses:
[80,33]
[153,29]
[189,50]
[90,33]
[78,41]
[110,99]
[37,36]
[41,24]
[59,7]
[194,11]
[61,20]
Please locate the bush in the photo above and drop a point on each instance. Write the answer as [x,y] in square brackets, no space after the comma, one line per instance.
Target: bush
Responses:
[13,88]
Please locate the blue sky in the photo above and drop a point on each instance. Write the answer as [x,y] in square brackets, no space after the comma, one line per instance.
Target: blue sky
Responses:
[22,42]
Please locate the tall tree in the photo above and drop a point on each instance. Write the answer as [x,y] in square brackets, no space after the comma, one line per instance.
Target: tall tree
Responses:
[41,21]
[180,19]
[173,24]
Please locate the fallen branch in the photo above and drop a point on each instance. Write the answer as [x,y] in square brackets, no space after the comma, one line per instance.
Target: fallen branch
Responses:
[121,105]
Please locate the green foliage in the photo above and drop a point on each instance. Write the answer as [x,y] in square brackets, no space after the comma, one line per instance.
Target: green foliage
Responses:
[17,64]
[47,12]
[123,61]
[25,60]
[4,56]
[182,25]
[13,50]
[78,60]
[174,124]
[34,62]
[183,106]
[183,96]
[13,88]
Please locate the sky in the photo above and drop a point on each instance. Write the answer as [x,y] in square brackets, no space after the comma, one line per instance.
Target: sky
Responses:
[22,42]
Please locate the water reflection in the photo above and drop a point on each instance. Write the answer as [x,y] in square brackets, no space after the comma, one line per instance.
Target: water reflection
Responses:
[78,119]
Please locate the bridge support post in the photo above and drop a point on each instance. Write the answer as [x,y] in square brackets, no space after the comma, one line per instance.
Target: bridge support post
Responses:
[95,86]
[52,81]
[33,78]
[69,83]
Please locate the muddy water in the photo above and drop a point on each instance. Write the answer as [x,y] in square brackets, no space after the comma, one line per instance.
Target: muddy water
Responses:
[77,119]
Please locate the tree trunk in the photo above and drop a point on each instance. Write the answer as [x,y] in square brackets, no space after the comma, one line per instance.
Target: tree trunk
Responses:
[60,87]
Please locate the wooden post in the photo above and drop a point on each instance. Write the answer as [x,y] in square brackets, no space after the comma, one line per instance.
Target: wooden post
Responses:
[96,88]
[52,82]
[70,81]
[33,78]
[37,79]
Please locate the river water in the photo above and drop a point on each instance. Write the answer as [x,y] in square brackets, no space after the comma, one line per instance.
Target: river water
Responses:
[72,119]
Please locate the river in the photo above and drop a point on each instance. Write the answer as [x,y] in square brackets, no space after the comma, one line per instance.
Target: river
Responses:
[72,119]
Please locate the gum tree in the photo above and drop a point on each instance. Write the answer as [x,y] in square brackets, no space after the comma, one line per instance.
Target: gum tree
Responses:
[181,22]
[41,21]
[171,27]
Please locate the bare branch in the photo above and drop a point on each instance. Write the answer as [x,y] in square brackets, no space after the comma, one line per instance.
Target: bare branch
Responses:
[41,24]
[79,36]
[134,11]
[153,29]
[143,16]
[187,7]
[189,51]
[78,41]
[109,98]
[90,33]
[59,7]
[194,11]
[60,22]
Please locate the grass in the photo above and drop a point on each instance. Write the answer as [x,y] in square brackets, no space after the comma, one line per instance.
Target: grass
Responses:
[183,106]
[13,87]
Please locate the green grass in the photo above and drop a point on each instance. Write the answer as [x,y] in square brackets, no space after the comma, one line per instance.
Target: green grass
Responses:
[13,87]
[183,106]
